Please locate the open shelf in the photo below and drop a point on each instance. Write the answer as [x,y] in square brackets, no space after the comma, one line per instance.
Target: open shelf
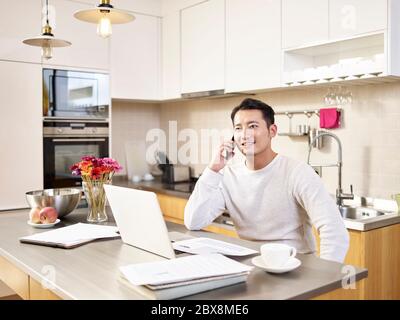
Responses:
[358,58]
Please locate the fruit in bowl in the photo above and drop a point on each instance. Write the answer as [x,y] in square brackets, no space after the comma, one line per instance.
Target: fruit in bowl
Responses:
[46,215]
[34,215]
[64,200]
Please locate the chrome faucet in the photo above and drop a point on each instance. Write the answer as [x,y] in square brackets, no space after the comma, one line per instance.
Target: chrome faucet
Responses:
[340,196]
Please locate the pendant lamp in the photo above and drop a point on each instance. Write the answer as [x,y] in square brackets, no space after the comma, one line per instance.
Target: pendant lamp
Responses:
[104,15]
[47,40]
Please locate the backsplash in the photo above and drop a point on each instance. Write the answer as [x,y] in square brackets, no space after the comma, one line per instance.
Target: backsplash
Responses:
[370,132]
[129,125]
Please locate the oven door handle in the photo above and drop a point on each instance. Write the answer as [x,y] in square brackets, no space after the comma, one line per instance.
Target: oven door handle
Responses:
[79,140]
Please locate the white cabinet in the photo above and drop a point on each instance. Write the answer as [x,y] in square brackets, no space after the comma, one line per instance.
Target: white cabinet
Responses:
[88,50]
[20,132]
[253,44]
[304,22]
[353,17]
[171,58]
[20,19]
[135,59]
[203,47]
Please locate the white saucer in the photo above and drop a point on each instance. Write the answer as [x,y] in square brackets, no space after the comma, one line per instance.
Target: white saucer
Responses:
[43,226]
[292,264]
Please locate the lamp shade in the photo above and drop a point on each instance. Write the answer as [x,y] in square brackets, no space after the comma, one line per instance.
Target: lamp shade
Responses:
[43,41]
[94,15]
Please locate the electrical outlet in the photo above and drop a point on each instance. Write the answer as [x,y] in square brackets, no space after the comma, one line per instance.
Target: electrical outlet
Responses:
[318,170]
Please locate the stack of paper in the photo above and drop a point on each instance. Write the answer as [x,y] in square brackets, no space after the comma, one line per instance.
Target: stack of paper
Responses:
[72,236]
[206,245]
[180,277]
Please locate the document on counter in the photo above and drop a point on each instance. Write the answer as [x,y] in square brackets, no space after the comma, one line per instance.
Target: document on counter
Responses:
[182,269]
[72,236]
[206,245]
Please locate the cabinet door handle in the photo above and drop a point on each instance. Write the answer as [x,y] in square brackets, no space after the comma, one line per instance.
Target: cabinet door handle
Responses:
[79,140]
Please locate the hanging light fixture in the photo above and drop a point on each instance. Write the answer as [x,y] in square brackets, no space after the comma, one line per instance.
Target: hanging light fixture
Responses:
[46,40]
[104,15]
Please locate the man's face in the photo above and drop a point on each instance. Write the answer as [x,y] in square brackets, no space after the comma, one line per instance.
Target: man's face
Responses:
[251,132]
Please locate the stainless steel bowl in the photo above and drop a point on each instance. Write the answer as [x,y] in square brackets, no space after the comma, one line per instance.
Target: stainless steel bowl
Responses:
[64,200]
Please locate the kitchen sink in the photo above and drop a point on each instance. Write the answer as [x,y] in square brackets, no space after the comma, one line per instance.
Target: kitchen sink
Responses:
[360,213]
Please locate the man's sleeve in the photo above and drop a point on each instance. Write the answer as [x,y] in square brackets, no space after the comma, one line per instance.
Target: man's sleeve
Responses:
[324,214]
[206,202]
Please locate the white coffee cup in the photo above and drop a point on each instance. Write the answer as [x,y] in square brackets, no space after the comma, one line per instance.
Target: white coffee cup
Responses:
[277,255]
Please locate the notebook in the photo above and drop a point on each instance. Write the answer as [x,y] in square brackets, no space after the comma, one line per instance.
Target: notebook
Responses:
[72,236]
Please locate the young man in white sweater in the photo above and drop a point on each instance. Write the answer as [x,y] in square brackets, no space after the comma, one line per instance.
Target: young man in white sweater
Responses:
[269,197]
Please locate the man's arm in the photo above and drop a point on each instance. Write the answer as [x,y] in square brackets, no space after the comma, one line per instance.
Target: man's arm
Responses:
[206,202]
[323,212]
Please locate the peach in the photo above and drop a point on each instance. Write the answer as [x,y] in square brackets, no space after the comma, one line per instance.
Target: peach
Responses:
[34,215]
[48,215]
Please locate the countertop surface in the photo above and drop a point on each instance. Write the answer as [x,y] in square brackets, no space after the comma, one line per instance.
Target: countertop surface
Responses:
[180,190]
[184,190]
[91,270]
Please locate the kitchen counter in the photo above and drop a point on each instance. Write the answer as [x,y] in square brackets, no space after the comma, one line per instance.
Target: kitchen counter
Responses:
[91,271]
[184,190]
[372,223]
[180,190]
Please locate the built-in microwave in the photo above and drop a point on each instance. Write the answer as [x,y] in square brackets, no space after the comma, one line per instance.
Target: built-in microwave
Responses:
[75,94]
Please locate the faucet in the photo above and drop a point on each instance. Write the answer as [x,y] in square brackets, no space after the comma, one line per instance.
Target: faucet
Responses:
[340,195]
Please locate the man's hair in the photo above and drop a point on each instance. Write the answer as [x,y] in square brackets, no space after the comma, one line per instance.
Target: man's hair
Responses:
[253,104]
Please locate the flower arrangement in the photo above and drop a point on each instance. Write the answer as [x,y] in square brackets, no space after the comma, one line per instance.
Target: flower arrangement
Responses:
[94,173]
[92,168]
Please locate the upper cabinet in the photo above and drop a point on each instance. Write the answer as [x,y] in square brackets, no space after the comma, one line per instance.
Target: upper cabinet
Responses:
[203,47]
[253,44]
[353,17]
[171,57]
[13,30]
[88,50]
[135,59]
[304,22]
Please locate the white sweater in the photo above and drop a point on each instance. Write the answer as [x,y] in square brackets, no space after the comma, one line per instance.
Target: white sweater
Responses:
[279,202]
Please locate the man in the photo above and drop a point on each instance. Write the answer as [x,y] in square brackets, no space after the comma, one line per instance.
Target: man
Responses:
[269,197]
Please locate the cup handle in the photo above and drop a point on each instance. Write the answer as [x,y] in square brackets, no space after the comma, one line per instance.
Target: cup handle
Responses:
[294,252]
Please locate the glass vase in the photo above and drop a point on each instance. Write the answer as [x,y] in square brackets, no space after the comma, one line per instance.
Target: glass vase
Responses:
[96,199]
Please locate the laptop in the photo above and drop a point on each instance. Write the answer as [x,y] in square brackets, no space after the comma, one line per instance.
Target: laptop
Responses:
[139,220]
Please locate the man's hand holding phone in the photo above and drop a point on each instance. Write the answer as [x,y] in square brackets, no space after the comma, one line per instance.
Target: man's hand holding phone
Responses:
[224,154]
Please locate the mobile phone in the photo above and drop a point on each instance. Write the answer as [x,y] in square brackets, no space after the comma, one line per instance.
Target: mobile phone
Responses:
[227,154]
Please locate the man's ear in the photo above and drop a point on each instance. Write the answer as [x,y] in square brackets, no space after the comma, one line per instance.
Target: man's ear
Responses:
[273,129]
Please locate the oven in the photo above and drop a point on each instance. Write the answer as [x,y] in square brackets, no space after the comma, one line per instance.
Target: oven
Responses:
[75,94]
[65,143]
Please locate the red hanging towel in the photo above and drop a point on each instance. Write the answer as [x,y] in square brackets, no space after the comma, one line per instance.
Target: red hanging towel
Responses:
[329,118]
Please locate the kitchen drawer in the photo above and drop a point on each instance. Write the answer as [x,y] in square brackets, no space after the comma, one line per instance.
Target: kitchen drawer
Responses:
[37,292]
[14,278]
[172,206]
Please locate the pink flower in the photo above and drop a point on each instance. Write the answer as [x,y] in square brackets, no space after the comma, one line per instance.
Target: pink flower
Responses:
[96,168]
